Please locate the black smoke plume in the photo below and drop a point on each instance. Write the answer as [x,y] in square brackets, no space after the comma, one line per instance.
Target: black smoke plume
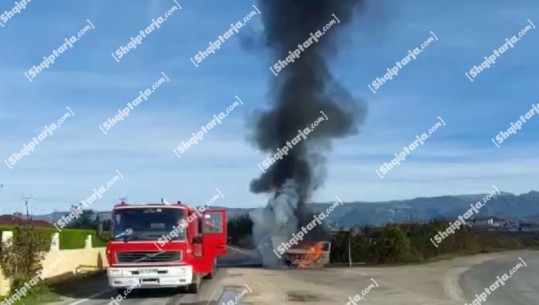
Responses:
[298,95]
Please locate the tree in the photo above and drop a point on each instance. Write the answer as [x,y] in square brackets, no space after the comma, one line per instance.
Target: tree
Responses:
[239,228]
[87,220]
[107,224]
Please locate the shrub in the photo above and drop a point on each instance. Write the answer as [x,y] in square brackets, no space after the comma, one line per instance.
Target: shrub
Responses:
[69,238]
[411,243]
[21,257]
[239,228]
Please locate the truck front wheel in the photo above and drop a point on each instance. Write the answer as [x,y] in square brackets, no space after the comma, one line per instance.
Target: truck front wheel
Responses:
[194,287]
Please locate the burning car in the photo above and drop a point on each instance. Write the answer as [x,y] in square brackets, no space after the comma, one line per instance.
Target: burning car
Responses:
[309,256]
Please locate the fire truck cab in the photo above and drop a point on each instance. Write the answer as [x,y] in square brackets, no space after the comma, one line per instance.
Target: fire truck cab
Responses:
[164,245]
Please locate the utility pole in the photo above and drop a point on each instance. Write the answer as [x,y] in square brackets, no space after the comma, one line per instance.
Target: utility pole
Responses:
[350,248]
[26,198]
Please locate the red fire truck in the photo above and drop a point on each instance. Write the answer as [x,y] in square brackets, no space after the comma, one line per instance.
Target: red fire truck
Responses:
[164,245]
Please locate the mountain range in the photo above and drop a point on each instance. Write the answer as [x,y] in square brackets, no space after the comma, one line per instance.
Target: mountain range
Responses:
[524,207]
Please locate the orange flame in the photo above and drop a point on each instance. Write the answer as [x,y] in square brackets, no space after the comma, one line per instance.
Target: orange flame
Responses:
[314,254]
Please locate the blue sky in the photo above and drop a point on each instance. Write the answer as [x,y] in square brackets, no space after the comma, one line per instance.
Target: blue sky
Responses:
[66,167]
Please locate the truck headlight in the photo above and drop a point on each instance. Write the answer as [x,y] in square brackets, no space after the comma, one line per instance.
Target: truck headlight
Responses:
[116,272]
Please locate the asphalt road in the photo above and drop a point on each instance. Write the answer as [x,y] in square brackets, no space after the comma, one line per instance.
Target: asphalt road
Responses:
[434,284]
[95,291]
[522,288]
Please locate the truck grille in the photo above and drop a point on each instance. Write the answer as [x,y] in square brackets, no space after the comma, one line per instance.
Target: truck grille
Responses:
[149,257]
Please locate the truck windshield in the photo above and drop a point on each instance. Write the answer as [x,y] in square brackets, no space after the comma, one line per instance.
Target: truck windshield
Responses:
[147,224]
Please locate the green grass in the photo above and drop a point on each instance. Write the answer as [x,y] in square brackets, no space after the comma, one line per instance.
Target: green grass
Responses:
[38,295]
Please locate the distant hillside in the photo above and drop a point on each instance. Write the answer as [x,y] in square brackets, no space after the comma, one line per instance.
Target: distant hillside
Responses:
[508,206]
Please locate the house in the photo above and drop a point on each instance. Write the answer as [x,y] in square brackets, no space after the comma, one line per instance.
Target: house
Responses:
[11,220]
[528,227]
[487,223]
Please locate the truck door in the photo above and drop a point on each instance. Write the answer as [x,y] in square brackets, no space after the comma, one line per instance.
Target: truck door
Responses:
[214,232]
